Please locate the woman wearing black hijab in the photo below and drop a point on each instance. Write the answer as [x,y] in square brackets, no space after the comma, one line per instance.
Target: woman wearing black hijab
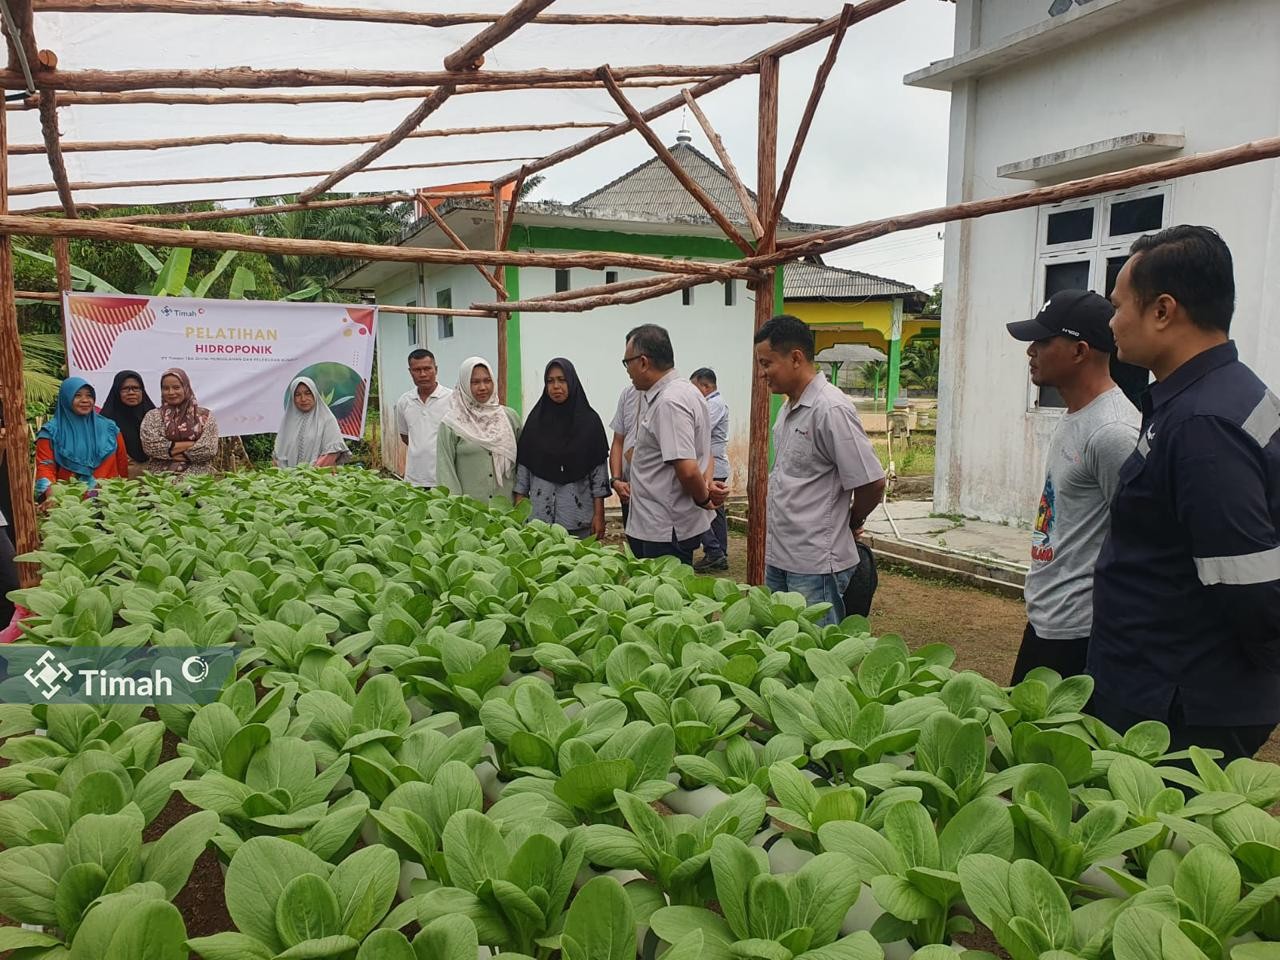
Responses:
[127,404]
[562,459]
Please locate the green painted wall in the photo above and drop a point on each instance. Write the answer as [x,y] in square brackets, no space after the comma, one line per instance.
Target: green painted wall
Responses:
[513,373]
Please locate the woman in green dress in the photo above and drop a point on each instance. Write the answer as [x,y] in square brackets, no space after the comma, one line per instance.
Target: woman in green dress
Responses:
[476,449]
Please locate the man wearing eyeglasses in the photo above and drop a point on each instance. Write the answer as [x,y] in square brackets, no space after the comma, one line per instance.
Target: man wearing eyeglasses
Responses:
[673,498]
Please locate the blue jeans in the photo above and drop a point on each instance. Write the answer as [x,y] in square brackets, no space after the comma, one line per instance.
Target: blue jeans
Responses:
[814,587]
[649,550]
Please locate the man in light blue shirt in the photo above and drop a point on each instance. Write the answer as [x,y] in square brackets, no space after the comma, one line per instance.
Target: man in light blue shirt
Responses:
[715,542]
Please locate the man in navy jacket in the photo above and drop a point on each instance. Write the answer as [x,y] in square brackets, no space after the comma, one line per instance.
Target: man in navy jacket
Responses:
[1186,624]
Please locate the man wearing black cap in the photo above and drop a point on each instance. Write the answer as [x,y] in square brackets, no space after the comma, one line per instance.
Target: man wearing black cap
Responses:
[1070,347]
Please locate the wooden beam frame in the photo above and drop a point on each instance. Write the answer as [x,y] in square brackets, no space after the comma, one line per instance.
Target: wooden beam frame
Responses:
[34,188]
[230,213]
[806,119]
[406,127]
[459,244]
[299,99]
[470,56]
[691,186]
[52,148]
[235,213]
[210,240]
[730,169]
[815,34]
[598,290]
[247,78]
[281,140]
[655,287]
[270,8]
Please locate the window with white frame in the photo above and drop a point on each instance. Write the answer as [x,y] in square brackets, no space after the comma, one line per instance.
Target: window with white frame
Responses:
[412,321]
[1081,245]
[444,325]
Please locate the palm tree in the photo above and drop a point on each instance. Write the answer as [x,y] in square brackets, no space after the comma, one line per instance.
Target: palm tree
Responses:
[920,362]
[42,363]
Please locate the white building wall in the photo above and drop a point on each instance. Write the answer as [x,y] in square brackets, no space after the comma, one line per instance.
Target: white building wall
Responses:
[705,334]
[1205,69]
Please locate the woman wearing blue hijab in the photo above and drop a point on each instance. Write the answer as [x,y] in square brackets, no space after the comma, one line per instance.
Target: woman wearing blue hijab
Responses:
[78,443]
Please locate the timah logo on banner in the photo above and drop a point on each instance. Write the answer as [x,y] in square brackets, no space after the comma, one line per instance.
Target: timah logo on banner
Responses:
[32,673]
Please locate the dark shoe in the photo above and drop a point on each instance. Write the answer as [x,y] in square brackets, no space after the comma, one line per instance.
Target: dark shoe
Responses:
[710,564]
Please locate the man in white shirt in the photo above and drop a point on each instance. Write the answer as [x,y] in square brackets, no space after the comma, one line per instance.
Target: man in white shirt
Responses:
[418,415]
[825,478]
[715,542]
[620,450]
[672,495]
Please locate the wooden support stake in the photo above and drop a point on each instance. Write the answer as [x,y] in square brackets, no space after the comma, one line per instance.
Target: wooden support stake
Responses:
[21,483]
[655,287]
[508,220]
[470,56]
[406,126]
[690,185]
[252,243]
[460,244]
[806,119]
[758,456]
[57,167]
[731,171]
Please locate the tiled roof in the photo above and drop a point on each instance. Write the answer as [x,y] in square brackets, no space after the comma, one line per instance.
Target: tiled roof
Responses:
[651,192]
[815,281]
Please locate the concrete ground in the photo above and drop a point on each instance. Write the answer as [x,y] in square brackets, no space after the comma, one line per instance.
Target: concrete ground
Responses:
[916,520]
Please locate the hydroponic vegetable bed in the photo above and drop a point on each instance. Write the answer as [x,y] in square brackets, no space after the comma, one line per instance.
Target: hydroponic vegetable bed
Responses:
[455,734]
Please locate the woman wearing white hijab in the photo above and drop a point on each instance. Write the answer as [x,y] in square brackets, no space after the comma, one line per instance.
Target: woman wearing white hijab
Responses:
[309,433]
[476,448]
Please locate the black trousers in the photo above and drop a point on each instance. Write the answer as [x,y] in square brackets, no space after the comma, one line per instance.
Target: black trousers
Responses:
[651,550]
[1234,742]
[8,578]
[1067,657]
[715,542]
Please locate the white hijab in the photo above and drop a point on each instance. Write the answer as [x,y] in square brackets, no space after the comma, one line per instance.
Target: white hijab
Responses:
[484,423]
[306,437]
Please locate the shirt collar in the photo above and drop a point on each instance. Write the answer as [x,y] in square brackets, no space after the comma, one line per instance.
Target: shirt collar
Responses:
[713,394]
[811,391]
[1190,372]
[658,387]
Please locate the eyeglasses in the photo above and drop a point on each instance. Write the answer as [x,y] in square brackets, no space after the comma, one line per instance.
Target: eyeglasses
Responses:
[627,361]
[130,389]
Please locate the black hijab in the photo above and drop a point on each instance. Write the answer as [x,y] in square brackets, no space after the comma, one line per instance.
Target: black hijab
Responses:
[562,442]
[128,419]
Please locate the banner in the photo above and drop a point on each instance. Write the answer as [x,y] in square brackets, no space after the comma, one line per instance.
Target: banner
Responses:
[241,355]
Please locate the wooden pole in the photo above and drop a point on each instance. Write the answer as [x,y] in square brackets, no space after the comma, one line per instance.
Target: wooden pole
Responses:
[805,38]
[226,240]
[758,455]
[277,139]
[470,56]
[508,220]
[272,8]
[57,167]
[806,119]
[459,244]
[637,284]
[297,99]
[33,188]
[233,213]
[21,484]
[248,78]
[500,234]
[730,170]
[690,185]
[406,126]
[50,297]
[655,287]
[823,241]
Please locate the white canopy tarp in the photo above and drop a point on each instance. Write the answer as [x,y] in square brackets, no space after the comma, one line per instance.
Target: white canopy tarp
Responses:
[128,41]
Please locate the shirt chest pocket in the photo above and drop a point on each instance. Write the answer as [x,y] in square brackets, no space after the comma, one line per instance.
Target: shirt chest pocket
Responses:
[801,456]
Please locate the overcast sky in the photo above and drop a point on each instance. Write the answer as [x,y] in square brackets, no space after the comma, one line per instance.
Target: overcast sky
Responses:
[876,147]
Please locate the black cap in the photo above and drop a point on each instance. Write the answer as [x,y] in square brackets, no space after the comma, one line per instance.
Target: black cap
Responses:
[1079,314]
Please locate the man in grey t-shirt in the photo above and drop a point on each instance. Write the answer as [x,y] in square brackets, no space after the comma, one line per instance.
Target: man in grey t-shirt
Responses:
[1070,349]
